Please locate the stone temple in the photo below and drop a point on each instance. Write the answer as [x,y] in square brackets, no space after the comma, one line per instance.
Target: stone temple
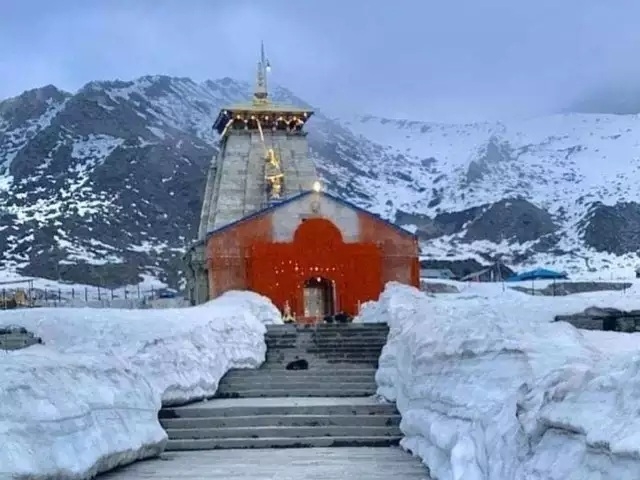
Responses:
[267,226]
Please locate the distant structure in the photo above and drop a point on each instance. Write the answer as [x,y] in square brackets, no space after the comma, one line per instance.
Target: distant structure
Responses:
[267,226]
[438,273]
[14,337]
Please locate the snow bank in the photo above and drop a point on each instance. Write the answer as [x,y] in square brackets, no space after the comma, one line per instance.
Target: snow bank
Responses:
[489,389]
[87,400]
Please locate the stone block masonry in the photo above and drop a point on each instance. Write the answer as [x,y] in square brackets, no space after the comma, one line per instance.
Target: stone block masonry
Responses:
[236,185]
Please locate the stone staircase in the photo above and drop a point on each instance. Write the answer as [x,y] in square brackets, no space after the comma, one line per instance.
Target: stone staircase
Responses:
[328,404]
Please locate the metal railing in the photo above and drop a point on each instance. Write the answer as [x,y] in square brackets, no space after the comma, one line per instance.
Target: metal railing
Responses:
[128,297]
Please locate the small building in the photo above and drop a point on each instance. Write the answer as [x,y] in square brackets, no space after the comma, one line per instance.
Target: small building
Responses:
[313,253]
[439,273]
[13,337]
[538,274]
[497,272]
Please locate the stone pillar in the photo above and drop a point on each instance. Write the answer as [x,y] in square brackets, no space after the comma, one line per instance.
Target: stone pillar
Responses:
[197,274]
[202,284]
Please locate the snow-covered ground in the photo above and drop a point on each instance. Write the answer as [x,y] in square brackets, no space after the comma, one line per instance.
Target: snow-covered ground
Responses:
[87,400]
[489,389]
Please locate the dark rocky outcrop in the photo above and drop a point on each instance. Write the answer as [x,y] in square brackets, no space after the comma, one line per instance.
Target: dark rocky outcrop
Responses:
[613,228]
[511,219]
[495,154]
[516,220]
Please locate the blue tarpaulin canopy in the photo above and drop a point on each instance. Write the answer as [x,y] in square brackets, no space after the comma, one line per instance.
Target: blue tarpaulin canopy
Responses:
[537,274]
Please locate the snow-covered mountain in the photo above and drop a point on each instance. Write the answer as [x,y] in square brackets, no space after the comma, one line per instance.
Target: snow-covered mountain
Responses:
[560,190]
[105,184]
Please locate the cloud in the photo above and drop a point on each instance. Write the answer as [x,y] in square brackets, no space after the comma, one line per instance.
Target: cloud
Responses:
[459,59]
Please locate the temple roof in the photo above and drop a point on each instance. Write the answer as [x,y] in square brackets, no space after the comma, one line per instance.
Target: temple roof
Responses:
[245,110]
[268,107]
[298,196]
[261,105]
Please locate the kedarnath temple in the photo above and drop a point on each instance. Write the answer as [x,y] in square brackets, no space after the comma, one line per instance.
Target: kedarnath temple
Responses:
[267,225]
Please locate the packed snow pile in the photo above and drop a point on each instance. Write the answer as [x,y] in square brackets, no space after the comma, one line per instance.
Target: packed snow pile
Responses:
[87,400]
[492,390]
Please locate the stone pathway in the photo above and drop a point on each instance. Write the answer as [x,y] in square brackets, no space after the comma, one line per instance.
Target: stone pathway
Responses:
[281,464]
[328,408]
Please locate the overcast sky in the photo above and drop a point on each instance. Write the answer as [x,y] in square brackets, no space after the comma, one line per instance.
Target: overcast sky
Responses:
[423,59]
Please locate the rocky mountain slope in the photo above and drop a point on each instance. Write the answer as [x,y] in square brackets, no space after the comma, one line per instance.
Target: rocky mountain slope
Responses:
[105,184]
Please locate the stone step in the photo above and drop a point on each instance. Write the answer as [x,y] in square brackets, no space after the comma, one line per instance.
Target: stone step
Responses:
[302,392]
[328,344]
[377,340]
[286,376]
[283,421]
[343,350]
[281,464]
[348,339]
[328,326]
[247,391]
[321,366]
[342,327]
[319,359]
[308,442]
[327,330]
[295,353]
[330,383]
[318,364]
[283,432]
[336,358]
[261,373]
[336,335]
[328,347]
[279,377]
[345,341]
[279,406]
[319,351]
[331,345]
[381,340]
[296,384]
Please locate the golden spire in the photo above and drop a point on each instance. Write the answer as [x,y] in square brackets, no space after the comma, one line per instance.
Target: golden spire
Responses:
[261,94]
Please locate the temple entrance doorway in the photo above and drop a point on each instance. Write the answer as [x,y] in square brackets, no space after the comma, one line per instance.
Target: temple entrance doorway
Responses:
[318,297]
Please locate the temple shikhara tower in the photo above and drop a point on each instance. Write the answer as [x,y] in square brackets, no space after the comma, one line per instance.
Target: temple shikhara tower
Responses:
[263,157]
[267,226]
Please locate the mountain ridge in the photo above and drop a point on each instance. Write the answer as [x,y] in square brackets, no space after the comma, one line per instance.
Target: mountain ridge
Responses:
[105,184]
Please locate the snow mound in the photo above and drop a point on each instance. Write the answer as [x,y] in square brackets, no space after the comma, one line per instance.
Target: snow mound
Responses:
[87,401]
[490,389]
